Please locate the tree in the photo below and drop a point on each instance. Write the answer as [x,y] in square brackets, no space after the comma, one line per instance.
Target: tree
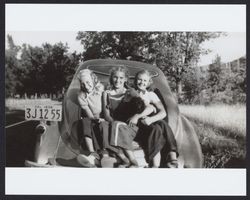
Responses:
[173,52]
[193,84]
[214,75]
[47,69]
[177,52]
[117,45]
[225,85]
[31,67]
[238,81]
[11,68]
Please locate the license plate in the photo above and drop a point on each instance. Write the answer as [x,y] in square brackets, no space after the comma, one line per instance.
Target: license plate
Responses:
[43,112]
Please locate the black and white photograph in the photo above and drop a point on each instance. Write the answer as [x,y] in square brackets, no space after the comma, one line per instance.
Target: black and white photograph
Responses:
[124,100]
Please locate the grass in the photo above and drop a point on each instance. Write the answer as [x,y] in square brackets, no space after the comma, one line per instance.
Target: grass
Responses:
[19,104]
[231,118]
[222,133]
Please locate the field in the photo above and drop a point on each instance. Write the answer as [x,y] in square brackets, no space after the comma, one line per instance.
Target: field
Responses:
[19,104]
[222,133]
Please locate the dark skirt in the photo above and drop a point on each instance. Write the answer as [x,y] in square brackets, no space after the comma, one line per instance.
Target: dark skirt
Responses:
[110,136]
[155,138]
[105,129]
[122,135]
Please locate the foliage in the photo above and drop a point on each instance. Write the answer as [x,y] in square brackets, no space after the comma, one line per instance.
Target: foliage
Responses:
[225,85]
[116,45]
[193,84]
[219,83]
[177,52]
[11,68]
[45,69]
[50,68]
[214,81]
[238,83]
[173,52]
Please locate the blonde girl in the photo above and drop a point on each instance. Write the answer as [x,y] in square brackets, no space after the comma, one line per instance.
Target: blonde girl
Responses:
[154,132]
[89,99]
[112,100]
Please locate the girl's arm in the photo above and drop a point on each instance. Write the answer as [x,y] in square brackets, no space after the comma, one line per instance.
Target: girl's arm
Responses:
[106,111]
[147,111]
[88,112]
[161,114]
[84,105]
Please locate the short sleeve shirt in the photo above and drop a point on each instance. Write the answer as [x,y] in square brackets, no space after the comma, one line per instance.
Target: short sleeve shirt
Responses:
[150,98]
[93,101]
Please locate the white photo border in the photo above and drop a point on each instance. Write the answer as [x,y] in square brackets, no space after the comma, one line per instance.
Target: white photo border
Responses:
[77,181]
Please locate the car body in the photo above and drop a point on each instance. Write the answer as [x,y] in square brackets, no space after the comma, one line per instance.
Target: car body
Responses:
[57,142]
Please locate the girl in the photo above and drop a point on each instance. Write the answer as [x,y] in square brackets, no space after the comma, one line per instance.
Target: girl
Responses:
[89,98]
[121,135]
[155,133]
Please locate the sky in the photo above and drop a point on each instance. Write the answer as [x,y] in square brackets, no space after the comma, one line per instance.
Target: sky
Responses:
[229,47]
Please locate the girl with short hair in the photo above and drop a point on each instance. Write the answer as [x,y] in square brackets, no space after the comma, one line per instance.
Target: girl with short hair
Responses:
[154,132]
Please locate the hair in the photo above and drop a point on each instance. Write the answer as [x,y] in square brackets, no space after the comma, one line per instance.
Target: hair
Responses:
[123,69]
[137,105]
[96,82]
[127,109]
[143,72]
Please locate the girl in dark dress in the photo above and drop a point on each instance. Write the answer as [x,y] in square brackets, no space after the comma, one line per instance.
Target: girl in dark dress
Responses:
[121,135]
[154,132]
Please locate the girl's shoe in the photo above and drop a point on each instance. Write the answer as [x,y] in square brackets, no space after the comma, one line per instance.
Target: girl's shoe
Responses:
[172,164]
[88,161]
[124,163]
[96,155]
[151,165]
[133,164]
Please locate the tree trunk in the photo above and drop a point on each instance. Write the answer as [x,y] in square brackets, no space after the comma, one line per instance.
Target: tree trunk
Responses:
[178,87]
[179,91]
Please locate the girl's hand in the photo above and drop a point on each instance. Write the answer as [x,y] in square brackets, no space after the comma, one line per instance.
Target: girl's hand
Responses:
[146,121]
[101,120]
[133,120]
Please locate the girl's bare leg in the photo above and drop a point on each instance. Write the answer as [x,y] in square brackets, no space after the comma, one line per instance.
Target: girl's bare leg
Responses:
[123,158]
[156,160]
[131,157]
[172,155]
[93,159]
[89,144]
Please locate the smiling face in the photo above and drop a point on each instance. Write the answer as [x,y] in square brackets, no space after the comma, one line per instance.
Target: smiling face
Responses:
[87,84]
[118,79]
[142,82]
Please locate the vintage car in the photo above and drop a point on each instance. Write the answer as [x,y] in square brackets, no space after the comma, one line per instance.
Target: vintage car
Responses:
[57,141]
